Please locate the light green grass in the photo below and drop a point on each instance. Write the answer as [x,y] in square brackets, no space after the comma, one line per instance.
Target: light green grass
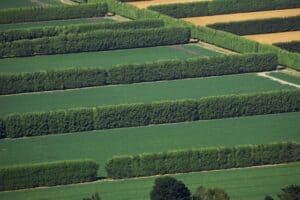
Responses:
[65,22]
[103,145]
[102,59]
[286,77]
[137,93]
[241,184]
[27,3]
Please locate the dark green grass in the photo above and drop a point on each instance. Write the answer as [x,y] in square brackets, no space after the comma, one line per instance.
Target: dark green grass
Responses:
[103,145]
[54,23]
[102,59]
[138,93]
[286,77]
[241,184]
[26,3]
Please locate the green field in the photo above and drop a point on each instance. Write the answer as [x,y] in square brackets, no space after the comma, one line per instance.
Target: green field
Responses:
[137,93]
[286,77]
[102,59]
[241,184]
[65,22]
[27,3]
[103,145]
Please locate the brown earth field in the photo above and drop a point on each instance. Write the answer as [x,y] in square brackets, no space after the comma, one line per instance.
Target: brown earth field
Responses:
[145,4]
[272,38]
[243,16]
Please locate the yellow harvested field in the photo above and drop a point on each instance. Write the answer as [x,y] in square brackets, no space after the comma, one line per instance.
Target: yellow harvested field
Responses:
[145,4]
[243,16]
[271,38]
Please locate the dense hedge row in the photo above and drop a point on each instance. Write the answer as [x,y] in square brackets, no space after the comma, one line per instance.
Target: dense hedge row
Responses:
[31,33]
[205,8]
[117,116]
[47,174]
[261,26]
[133,73]
[32,14]
[96,41]
[293,46]
[202,159]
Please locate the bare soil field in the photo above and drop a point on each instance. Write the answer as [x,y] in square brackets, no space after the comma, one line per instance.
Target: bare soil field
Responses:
[271,38]
[243,16]
[145,4]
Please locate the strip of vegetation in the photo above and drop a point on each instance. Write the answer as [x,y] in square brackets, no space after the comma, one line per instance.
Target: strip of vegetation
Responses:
[252,27]
[32,14]
[206,8]
[31,33]
[47,174]
[96,41]
[130,115]
[293,46]
[135,73]
[202,159]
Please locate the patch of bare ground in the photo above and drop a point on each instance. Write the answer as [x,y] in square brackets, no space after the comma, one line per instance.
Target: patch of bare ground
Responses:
[145,4]
[272,38]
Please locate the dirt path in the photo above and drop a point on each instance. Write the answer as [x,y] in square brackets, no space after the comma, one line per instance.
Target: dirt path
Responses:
[243,16]
[43,4]
[272,38]
[145,4]
[68,2]
[216,48]
[265,74]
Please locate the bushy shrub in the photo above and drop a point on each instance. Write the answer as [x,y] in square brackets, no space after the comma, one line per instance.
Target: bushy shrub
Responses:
[169,188]
[47,174]
[31,14]
[193,9]
[96,41]
[293,46]
[201,159]
[260,26]
[48,31]
[210,194]
[134,73]
[291,192]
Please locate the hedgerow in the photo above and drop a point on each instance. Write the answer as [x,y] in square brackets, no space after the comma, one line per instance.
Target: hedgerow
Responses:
[96,41]
[134,73]
[31,33]
[32,14]
[47,174]
[205,8]
[261,26]
[293,46]
[117,116]
[201,159]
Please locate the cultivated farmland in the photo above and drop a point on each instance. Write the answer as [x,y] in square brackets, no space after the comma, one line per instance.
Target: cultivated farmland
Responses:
[100,95]
[272,38]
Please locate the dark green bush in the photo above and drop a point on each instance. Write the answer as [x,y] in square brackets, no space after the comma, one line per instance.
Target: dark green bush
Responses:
[169,188]
[96,41]
[133,73]
[47,174]
[202,159]
[31,33]
[261,26]
[293,46]
[247,105]
[31,14]
[193,9]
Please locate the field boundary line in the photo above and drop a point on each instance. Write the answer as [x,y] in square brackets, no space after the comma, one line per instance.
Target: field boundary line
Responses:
[266,75]
[215,48]
[153,176]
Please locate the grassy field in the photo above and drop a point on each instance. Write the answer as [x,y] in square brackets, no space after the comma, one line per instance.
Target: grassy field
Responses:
[137,93]
[286,77]
[27,3]
[241,184]
[236,17]
[103,59]
[65,22]
[103,145]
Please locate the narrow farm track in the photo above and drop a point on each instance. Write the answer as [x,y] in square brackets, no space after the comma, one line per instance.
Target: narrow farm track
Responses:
[243,16]
[265,74]
[272,38]
[145,4]
[68,2]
